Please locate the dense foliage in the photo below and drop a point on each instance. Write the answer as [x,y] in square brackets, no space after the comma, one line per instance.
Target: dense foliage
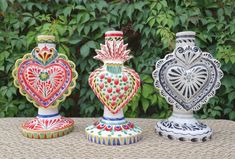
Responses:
[149,28]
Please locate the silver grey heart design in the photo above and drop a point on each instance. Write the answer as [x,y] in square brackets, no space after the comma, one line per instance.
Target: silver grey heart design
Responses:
[188,77]
[187,83]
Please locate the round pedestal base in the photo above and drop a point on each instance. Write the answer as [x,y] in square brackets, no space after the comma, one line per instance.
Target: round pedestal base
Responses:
[189,130]
[119,134]
[43,128]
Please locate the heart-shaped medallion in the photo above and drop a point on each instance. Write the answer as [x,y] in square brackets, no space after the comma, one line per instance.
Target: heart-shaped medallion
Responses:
[45,84]
[187,77]
[114,90]
[187,83]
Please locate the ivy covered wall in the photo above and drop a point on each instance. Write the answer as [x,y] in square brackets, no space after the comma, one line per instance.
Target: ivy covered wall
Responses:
[149,28]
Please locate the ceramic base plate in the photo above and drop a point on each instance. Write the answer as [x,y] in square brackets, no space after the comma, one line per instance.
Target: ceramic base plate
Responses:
[191,132]
[39,128]
[124,134]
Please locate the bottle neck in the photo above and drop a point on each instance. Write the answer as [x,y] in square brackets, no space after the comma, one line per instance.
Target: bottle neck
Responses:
[182,41]
[114,68]
[182,113]
[110,118]
[48,113]
[48,45]
[182,116]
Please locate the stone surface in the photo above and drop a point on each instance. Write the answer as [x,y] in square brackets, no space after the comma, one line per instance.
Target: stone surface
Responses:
[75,145]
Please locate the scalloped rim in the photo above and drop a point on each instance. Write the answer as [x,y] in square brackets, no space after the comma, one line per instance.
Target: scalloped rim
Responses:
[57,101]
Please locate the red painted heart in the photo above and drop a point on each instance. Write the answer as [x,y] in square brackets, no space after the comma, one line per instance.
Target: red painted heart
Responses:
[114,90]
[45,84]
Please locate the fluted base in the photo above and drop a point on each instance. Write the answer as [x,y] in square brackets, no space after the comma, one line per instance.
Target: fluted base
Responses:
[113,134]
[43,128]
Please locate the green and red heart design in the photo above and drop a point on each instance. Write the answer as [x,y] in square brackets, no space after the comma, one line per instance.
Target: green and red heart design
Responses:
[114,90]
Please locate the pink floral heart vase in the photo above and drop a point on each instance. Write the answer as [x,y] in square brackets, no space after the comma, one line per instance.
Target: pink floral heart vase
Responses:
[114,85]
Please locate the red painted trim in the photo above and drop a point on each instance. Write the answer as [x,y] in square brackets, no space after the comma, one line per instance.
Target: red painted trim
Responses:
[106,35]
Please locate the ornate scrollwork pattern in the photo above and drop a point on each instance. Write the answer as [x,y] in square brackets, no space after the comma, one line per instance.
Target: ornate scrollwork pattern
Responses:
[183,127]
[188,77]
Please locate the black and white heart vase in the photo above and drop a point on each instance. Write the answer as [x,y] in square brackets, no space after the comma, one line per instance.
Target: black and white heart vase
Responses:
[187,78]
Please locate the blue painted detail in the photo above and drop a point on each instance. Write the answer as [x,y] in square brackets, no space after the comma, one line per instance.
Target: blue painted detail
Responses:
[89,138]
[109,143]
[118,142]
[103,141]
[113,119]
[95,139]
[47,116]
[114,142]
[130,142]
[98,140]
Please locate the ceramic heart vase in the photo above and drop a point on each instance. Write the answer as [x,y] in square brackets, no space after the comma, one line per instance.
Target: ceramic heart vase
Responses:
[114,85]
[46,78]
[187,78]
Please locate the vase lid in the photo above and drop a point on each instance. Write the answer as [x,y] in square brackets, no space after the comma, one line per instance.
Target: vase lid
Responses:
[185,34]
[113,34]
[46,39]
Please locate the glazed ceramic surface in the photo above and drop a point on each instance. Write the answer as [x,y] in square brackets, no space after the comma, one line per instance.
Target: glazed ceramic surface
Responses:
[46,78]
[187,78]
[114,85]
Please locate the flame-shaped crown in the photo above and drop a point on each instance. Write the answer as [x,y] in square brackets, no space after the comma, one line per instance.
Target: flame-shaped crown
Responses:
[114,50]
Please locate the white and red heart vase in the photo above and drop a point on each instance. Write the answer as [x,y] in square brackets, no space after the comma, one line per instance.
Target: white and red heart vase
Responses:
[46,78]
[114,85]
[187,78]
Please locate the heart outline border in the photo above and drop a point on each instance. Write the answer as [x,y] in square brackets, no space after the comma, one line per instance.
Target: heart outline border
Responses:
[171,100]
[66,93]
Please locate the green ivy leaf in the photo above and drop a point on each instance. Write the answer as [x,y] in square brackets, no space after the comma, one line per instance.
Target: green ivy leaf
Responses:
[67,11]
[3,5]
[130,10]
[232,115]
[145,104]
[85,49]
[147,90]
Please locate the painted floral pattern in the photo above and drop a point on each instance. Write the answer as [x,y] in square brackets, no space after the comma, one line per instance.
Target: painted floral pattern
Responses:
[114,90]
[44,84]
